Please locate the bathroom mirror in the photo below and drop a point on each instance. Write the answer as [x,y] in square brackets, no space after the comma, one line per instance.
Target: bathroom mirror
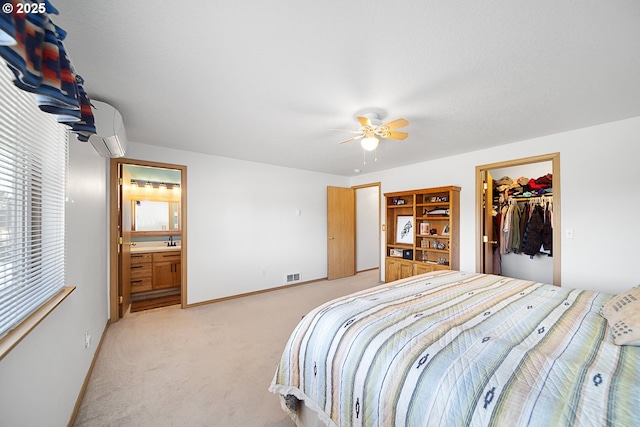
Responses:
[155,195]
[152,215]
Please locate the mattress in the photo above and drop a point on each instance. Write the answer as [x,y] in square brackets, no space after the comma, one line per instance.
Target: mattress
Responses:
[452,348]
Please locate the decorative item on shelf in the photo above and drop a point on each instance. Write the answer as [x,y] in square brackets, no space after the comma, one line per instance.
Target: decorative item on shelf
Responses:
[433,232]
[424,243]
[404,229]
[439,199]
[437,211]
[438,245]
[424,228]
[445,230]
[407,254]
[395,253]
[424,256]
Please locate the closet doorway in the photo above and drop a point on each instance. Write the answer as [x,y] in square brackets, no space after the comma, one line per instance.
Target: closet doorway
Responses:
[147,236]
[486,240]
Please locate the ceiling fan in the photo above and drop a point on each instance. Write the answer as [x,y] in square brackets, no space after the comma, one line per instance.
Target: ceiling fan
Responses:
[371,130]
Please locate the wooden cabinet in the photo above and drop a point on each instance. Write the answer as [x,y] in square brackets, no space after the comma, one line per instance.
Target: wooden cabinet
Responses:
[155,270]
[141,272]
[166,269]
[423,231]
[396,269]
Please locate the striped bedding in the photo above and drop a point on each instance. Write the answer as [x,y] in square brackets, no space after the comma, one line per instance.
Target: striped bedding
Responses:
[452,348]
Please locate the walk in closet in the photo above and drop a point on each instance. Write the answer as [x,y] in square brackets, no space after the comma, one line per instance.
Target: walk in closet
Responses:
[522,211]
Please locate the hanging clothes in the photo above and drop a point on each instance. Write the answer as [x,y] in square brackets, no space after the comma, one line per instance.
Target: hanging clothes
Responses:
[507,230]
[502,235]
[534,232]
[497,260]
[524,219]
[515,228]
[547,231]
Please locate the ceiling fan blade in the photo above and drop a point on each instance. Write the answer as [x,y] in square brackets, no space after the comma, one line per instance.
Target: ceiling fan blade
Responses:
[396,135]
[352,139]
[396,124]
[364,121]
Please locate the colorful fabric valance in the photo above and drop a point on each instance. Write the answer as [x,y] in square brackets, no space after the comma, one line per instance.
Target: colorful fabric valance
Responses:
[31,45]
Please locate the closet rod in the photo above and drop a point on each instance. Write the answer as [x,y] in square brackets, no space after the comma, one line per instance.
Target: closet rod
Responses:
[521,199]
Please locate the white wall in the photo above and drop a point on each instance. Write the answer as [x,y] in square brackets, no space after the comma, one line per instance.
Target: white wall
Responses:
[600,198]
[243,231]
[41,378]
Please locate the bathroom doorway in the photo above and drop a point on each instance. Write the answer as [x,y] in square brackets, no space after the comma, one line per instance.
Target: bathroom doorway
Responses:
[147,236]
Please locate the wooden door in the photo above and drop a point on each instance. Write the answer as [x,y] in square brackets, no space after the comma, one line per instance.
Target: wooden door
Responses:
[487,226]
[341,232]
[124,261]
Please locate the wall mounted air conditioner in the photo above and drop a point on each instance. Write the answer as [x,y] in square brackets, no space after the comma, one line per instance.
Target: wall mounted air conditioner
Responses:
[110,139]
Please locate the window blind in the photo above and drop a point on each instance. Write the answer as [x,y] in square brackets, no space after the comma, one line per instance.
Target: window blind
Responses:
[33,165]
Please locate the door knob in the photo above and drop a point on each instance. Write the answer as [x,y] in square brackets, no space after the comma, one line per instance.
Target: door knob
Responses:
[330,237]
[485,239]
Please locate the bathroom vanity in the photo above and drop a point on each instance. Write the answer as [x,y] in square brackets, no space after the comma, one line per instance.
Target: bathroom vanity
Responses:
[155,268]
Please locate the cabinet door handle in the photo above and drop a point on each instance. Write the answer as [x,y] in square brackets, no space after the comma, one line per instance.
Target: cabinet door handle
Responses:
[137,266]
[136,281]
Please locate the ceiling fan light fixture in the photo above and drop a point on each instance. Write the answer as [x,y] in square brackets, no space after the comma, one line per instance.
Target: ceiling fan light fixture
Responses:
[369,143]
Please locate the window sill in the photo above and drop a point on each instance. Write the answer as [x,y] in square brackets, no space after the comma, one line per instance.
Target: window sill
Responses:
[8,342]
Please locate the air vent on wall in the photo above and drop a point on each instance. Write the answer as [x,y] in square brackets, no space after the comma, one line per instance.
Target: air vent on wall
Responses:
[294,277]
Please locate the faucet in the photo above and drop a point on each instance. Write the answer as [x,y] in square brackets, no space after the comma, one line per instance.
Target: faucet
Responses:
[171,242]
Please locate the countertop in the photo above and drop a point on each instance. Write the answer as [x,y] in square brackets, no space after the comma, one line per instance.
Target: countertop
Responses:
[156,248]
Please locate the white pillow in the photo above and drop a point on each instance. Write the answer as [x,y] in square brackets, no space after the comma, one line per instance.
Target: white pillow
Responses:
[623,316]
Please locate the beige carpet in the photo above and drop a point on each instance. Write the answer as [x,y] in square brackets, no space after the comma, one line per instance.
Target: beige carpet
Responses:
[204,366]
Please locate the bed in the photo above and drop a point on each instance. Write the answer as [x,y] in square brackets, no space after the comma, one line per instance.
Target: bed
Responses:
[451,348]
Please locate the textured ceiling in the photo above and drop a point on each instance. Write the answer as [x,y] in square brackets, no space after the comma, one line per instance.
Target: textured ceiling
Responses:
[266,81]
